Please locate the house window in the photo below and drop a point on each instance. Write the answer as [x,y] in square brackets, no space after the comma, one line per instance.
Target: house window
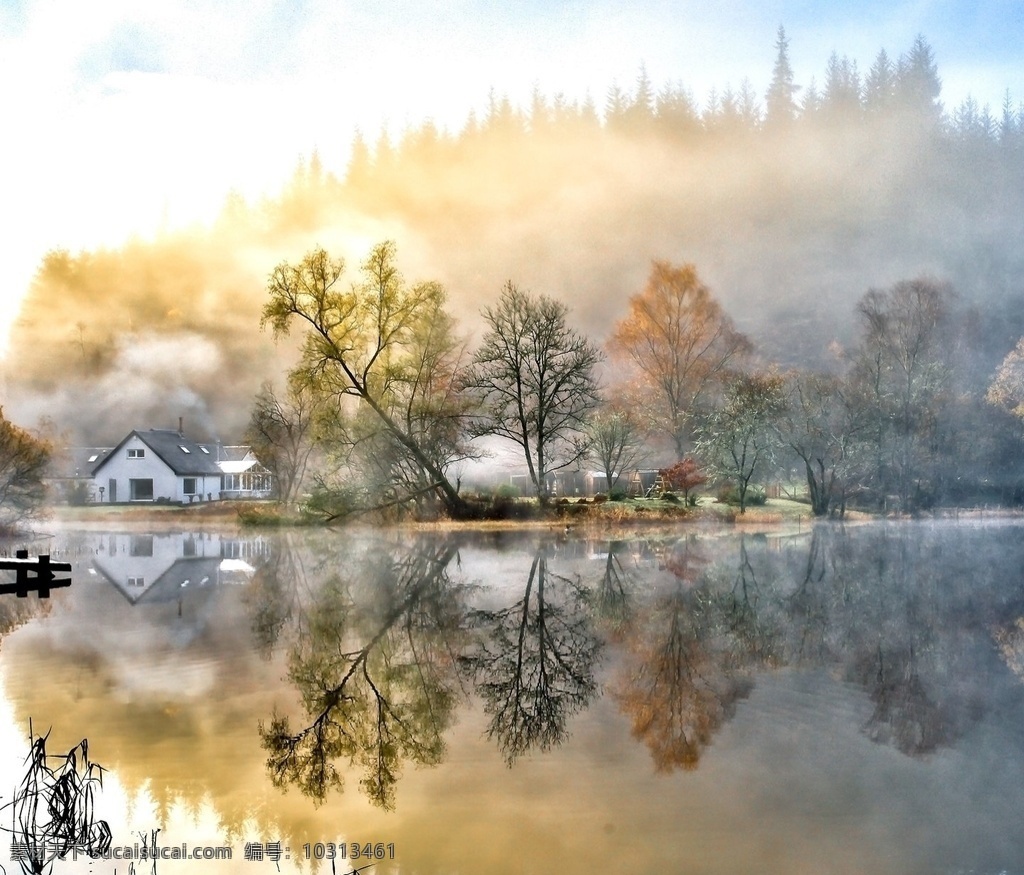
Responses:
[136,454]
[141,545]
[94,457]
[184,449]
[205,450]
[136,581]
[189,486]
[141,490]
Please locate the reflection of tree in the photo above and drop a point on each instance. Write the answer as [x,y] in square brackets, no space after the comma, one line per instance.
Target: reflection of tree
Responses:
[682,686]
[807,611]
[533,662]
[273,595]
[376,681]
[612,597]
[905,715]
[745,617]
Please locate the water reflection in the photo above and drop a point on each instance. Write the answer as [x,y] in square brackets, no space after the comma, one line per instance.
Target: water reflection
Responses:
[373,666]
[342,661]
[681,677]
[532,661]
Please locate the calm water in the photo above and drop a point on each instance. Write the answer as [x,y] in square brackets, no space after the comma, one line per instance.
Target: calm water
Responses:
[846,700]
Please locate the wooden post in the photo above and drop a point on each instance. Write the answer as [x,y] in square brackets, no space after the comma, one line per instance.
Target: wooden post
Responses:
[44,576]
[21,576]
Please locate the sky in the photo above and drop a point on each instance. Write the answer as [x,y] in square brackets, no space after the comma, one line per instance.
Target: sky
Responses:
[124,118]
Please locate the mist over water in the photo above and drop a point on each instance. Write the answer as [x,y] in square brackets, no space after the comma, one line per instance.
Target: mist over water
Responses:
[848,696]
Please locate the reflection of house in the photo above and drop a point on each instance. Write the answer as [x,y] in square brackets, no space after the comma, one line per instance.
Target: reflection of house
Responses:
[162,465]
[161,567]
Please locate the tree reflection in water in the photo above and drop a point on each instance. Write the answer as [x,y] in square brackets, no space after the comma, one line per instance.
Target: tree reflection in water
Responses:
[383,650]
[680,683]
[376,674]
[532,662]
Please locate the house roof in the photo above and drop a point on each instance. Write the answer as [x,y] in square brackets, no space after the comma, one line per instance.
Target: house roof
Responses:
[232,453]
[77,462]
[181,454]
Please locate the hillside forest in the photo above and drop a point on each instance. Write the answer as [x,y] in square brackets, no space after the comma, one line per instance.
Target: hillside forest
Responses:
[821,283]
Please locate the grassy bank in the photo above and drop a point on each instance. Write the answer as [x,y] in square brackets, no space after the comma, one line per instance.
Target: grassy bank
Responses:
[575,514]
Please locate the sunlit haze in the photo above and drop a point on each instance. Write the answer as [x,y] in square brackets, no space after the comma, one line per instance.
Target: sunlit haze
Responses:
[125,119]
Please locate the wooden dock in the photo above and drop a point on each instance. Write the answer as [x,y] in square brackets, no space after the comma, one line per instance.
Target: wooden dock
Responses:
[37,574]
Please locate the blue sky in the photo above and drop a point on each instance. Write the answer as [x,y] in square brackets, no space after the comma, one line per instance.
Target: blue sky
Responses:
[129,116]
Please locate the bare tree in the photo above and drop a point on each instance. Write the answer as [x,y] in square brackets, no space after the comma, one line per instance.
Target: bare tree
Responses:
[534,378]
[616,443]
[899,382]
[819,429]
[281,433]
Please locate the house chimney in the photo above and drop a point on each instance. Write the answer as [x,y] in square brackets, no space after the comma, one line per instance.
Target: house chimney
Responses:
[181,426]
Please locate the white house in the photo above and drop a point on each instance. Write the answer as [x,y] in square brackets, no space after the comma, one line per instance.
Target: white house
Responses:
[158,465]
[244,476]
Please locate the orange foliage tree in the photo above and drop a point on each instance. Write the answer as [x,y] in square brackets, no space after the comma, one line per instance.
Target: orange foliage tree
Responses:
[683,476]
[681,342]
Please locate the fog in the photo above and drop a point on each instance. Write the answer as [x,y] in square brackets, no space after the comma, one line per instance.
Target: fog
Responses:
[789,226]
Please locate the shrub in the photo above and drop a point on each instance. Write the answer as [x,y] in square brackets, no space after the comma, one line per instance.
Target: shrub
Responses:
[600,498]
[617,494]
[730,494]
[508,490]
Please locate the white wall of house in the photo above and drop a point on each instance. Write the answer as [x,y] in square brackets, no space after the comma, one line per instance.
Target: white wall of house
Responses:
[153,478]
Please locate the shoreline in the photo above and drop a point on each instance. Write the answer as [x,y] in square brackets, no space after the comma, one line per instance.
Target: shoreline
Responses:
[624,518]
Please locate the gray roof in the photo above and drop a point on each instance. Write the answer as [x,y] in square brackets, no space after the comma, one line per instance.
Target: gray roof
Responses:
[181,454]
[230,453]
[74,463]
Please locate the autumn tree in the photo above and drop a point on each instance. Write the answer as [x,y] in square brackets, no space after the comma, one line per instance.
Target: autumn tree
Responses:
[534,380]
[682,344]
[370,342]
[684,476]
[23,461]
[616,443]
[739,440]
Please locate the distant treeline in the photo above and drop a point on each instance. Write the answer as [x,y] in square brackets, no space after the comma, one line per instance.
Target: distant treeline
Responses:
[793,204]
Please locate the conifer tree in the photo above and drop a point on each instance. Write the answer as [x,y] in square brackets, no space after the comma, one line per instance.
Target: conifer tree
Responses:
[780,105]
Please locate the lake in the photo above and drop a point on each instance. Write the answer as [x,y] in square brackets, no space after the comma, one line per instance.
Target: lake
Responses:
[845,699]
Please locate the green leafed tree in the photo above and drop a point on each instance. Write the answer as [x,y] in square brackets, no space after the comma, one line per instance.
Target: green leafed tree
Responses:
[534,380]
[380,341]
[740,440]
